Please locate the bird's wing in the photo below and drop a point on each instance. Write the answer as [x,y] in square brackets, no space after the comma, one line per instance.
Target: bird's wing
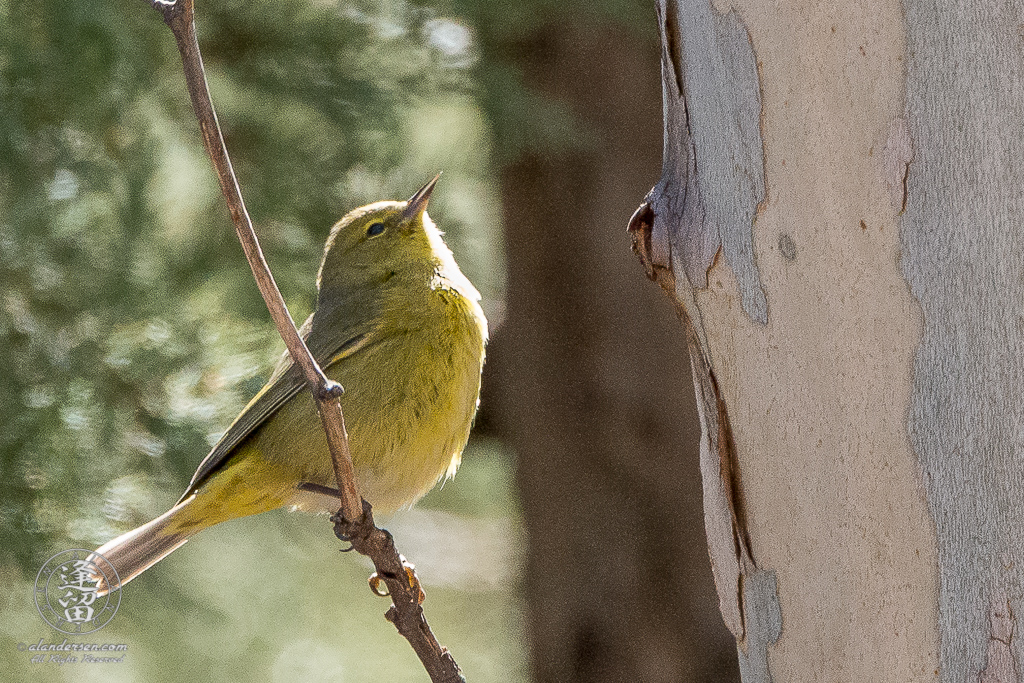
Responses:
[285,382]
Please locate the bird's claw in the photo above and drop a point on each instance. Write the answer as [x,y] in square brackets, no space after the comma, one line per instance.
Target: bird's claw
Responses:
[379,588]
[375,585]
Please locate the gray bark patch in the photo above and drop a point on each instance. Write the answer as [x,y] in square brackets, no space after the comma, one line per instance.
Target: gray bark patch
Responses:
[723,100]
[963,256]
[763,625]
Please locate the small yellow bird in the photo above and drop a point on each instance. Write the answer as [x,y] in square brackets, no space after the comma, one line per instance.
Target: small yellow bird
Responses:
[400,327]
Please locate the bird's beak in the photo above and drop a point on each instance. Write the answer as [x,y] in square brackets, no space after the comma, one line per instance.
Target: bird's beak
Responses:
[417,204]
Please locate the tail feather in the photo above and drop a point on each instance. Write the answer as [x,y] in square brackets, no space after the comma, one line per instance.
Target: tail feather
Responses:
[132,553]
[247,485]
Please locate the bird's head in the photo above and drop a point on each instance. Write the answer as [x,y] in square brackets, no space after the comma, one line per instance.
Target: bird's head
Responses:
[373,243]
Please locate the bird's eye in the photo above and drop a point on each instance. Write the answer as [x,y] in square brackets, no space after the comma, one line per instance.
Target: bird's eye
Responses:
[375,229]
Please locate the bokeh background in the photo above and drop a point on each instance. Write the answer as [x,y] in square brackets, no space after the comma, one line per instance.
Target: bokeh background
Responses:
[569,547]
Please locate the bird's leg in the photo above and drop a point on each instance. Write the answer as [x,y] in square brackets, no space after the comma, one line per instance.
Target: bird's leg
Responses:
[325,491]
[317,488]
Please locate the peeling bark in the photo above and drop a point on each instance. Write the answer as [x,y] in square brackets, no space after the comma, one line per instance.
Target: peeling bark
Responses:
[677,234]
[731,561]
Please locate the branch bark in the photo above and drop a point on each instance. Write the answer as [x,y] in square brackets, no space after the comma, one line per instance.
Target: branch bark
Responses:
[406,611]
[179,16]
[354,521]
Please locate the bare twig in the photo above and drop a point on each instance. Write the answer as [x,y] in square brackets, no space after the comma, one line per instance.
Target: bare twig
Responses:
[179,16]
[354,521]
[406,612]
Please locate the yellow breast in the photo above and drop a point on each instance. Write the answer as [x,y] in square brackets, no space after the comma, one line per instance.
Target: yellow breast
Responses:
[410,396]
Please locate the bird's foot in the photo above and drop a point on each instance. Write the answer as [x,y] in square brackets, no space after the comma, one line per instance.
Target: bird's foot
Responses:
[378,586]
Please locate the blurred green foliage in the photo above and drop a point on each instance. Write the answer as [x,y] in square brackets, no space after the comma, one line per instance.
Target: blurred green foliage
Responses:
[130,329]
[131,332]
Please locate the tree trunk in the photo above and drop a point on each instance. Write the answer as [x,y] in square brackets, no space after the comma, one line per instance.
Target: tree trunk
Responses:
[588,378]
[839,223]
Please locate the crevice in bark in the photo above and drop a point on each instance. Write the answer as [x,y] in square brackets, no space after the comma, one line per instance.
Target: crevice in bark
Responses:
[669,18]
[1000,663]
[896,158]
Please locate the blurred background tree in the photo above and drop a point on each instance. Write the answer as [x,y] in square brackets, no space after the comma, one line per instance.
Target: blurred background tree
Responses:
[131,332]
[589,372]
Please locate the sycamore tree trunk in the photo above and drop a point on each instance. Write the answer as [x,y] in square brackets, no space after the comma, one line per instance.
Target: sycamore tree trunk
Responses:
[840,223]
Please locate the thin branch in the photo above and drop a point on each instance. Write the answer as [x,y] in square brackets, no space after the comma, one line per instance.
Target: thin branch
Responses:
[179,16]
[406,612]
[354,521]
